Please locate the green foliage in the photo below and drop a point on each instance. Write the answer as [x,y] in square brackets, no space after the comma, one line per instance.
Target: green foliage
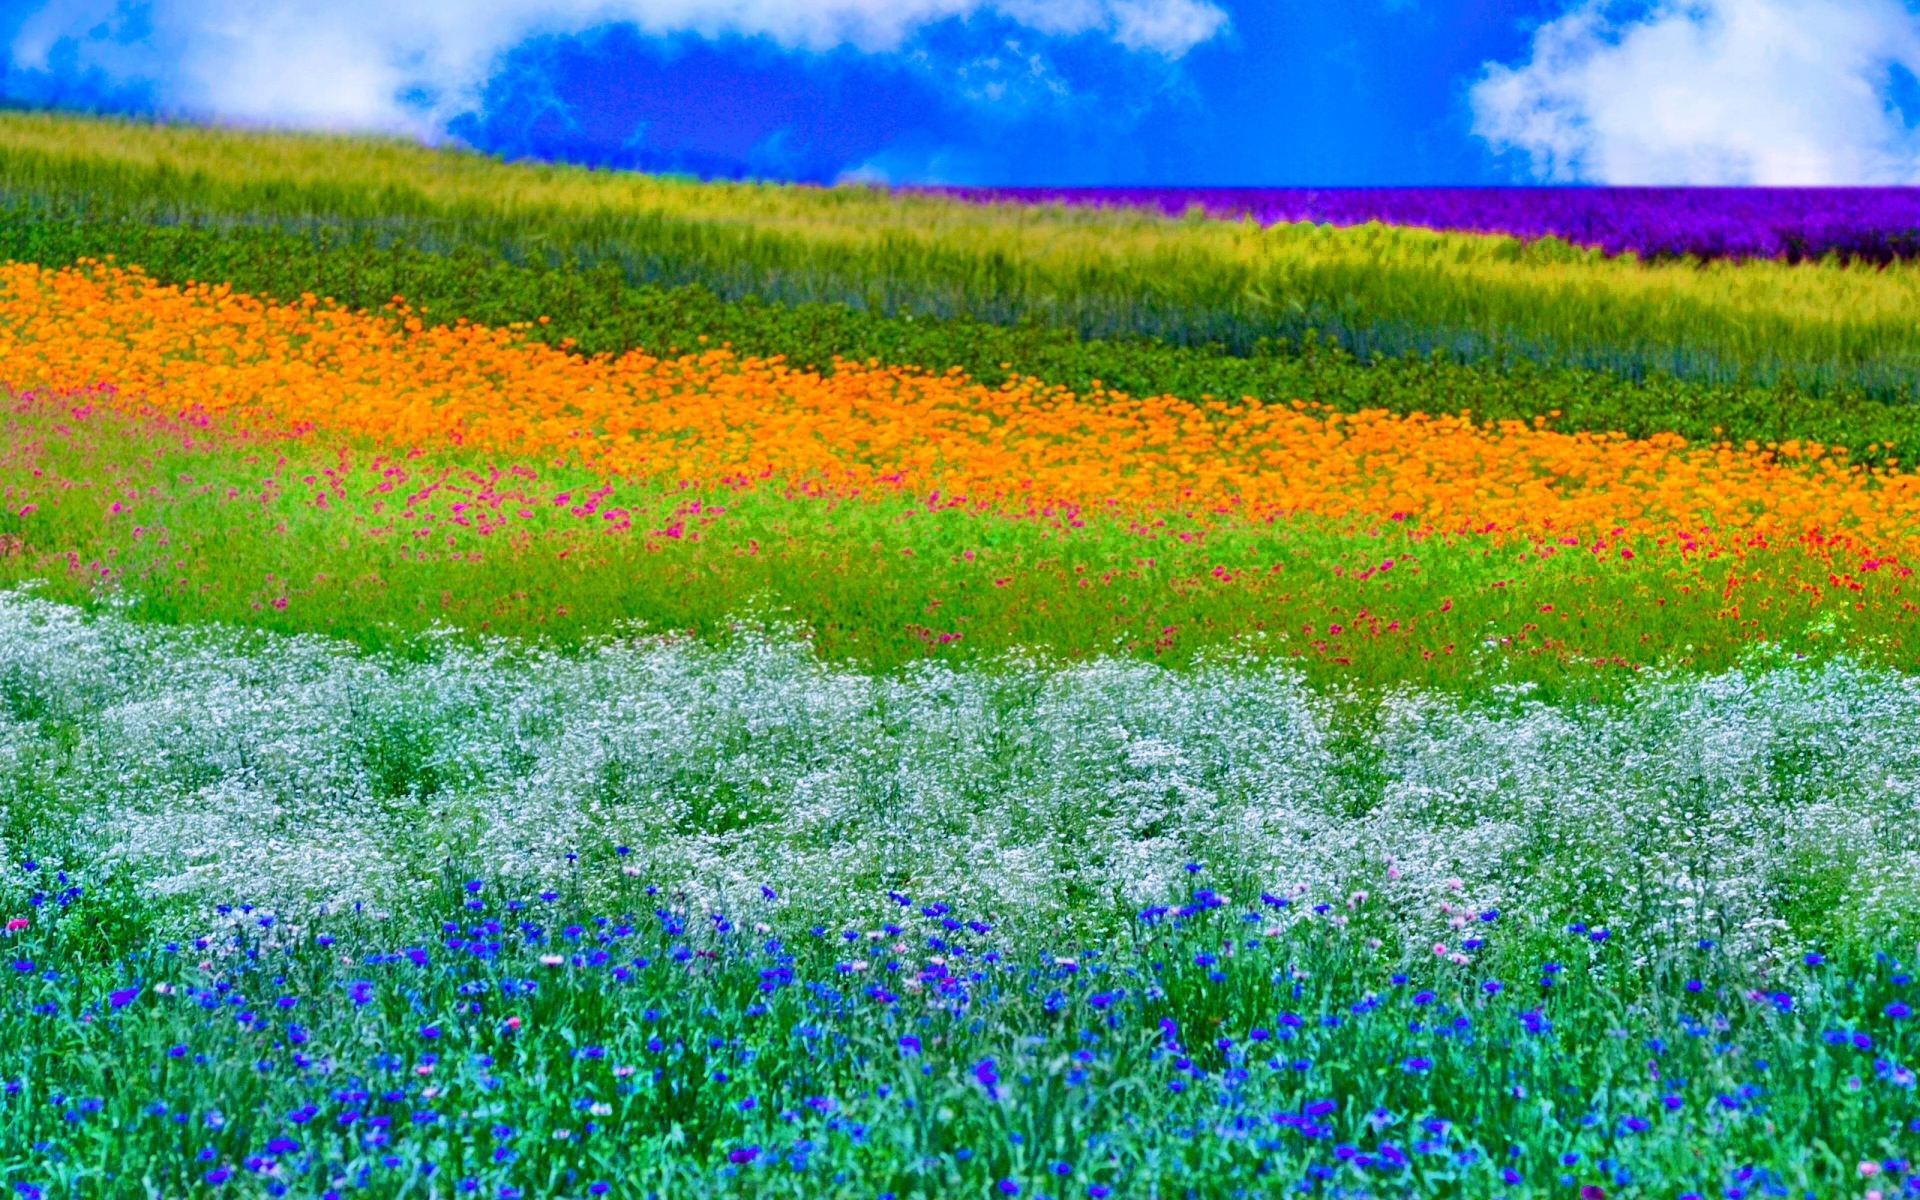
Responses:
[1098,274]
[557,1049]
[600,312]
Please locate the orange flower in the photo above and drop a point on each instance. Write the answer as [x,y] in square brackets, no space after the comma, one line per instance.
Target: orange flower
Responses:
[714,417]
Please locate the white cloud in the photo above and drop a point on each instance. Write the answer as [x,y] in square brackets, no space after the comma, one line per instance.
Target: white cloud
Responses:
[1710,92]
[355,63]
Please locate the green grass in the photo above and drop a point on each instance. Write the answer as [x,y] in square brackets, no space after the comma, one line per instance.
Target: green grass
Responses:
[1097,273]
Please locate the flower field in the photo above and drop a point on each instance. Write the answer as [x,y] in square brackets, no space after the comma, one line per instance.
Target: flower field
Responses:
[482,723]
[1789,223]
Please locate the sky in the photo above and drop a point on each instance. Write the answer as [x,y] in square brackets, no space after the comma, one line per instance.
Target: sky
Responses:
[1035,92]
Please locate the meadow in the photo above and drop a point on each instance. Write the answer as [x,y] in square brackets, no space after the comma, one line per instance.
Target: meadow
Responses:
[520,682]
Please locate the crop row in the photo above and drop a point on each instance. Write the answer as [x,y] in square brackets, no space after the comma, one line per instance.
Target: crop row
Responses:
[526,1044]
[1098,273]
[597,311]
[1879,224]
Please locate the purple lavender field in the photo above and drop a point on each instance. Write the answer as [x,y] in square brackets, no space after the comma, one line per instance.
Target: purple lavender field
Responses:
[1876,224]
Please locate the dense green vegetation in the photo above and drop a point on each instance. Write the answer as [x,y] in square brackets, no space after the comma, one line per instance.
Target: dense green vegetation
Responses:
[508,1044]
[598,311]
[1375,291]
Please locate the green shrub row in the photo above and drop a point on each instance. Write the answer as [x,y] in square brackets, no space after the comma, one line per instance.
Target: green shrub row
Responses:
[602,312]
[1376,291]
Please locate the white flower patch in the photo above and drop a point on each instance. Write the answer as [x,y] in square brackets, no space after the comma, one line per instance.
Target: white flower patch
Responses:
[223,766]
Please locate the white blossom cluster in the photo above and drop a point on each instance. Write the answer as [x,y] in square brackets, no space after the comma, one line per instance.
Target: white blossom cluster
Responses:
[220,765]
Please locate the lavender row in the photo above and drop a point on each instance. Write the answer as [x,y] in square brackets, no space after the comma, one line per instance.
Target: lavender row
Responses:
[1876,224]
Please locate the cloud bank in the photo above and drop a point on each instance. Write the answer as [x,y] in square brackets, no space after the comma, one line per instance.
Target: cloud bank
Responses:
[1713,92]
[411,65]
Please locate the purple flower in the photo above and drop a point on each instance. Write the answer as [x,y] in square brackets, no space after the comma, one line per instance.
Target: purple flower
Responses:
[743,1154]
[1794,224]
[1417,1064]
[122,997]
[1898,1009]
[1008,1187]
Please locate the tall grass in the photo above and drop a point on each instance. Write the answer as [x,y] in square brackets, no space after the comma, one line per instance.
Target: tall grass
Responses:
[1375,290]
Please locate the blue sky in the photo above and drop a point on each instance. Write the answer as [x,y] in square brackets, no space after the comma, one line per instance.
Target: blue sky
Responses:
[1251,92]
